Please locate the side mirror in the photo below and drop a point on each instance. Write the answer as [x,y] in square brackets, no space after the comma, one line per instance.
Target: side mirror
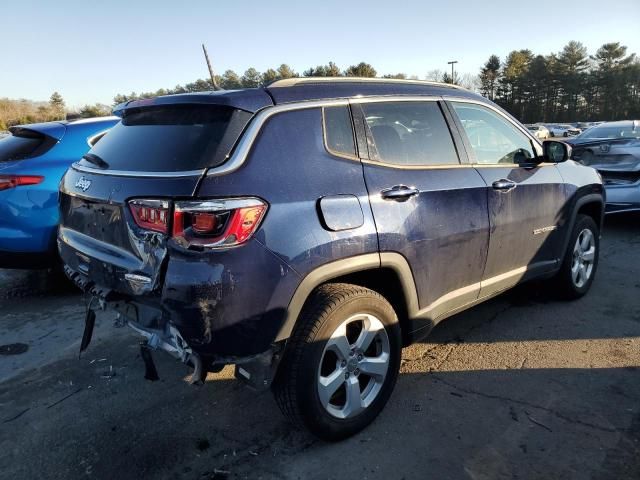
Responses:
[555,151]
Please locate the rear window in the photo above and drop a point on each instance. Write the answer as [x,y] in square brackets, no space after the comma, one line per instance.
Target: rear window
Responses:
[19,147]
[170,138]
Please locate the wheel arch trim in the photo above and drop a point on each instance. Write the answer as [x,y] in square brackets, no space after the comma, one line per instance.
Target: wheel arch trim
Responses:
[581,202]
[338,268]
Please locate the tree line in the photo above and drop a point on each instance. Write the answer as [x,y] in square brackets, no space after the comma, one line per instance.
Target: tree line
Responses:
[21,112]
[567,86]
[252,78]
[18,112]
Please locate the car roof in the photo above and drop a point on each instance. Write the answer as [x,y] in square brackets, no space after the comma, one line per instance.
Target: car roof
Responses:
[324,88]
[304,89]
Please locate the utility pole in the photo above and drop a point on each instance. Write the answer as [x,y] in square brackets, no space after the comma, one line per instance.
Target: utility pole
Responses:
[452,63]
[213,78]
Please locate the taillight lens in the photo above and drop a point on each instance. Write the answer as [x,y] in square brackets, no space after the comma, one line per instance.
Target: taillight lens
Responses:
[217,223]
[151,214]
[12,181]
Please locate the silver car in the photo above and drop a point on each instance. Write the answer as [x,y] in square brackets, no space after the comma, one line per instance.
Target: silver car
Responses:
[539,131]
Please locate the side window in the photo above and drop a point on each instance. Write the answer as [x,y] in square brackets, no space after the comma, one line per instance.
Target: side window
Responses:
[493,138]
[410,133]
[338,130]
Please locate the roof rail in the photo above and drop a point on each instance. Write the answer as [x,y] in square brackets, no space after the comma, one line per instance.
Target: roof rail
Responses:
[290,82]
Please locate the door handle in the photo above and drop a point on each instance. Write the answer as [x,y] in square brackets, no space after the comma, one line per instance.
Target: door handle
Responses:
[504,185]
[399,193]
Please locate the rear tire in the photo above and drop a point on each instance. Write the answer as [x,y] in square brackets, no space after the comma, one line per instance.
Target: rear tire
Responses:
[580,260]
[341,362]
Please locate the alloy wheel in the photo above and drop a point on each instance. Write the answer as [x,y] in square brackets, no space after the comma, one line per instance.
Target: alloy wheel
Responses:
[353,366]
[584,254]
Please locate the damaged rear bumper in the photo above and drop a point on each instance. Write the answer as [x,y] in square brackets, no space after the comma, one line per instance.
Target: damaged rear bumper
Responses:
[205,313]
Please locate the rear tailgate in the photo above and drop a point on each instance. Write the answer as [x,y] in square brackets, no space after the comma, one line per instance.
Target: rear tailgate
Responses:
[98,237]
[155,155]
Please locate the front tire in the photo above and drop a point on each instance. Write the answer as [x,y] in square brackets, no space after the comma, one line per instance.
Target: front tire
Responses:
[341,363]
[580,260]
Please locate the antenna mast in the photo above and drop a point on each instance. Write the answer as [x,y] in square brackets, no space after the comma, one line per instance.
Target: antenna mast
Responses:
[213,78]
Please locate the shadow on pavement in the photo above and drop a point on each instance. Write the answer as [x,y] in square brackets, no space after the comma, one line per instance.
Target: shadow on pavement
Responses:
[463,407]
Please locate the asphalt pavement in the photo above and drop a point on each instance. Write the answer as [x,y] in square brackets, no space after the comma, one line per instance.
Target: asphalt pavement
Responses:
[521,387]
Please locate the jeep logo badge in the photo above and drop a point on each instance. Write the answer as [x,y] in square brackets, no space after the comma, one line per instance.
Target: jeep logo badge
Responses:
[83,184]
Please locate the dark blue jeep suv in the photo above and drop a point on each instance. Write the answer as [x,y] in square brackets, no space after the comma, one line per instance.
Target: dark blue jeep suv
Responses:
[307,231]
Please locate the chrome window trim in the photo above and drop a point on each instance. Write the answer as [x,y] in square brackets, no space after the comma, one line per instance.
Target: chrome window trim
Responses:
[127,173]
[244,146]
[440,166]
[242,149]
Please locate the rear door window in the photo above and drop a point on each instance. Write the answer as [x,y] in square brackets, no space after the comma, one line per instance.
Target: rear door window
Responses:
[410,133]
[171,138]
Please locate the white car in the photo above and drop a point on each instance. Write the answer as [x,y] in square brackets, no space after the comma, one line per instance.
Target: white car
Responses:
[539,131]
[563,130]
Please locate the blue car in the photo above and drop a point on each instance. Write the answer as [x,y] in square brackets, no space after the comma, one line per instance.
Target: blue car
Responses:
[33,159]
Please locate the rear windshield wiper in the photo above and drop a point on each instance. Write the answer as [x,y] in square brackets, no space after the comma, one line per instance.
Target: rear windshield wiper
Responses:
[96,160]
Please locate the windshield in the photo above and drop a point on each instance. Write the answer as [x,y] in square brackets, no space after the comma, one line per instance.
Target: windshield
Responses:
[169,138]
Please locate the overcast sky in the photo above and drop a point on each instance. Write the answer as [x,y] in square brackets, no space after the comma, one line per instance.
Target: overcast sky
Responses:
[90,51]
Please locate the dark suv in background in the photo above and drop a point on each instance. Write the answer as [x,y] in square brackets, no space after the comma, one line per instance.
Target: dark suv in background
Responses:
[308,230]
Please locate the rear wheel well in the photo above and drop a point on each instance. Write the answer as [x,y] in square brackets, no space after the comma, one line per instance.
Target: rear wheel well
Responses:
[387,283]
[593,210]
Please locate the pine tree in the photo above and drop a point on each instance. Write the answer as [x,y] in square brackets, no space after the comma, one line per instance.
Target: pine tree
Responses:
[56,103]
[489,76]
[361,70]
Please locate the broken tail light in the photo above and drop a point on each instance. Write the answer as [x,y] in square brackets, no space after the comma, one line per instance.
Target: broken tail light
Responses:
[12,181]
[151,214]
[217,223]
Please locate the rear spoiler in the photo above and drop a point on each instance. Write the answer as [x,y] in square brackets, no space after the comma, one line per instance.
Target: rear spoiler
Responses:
[250,100]
[54,130]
